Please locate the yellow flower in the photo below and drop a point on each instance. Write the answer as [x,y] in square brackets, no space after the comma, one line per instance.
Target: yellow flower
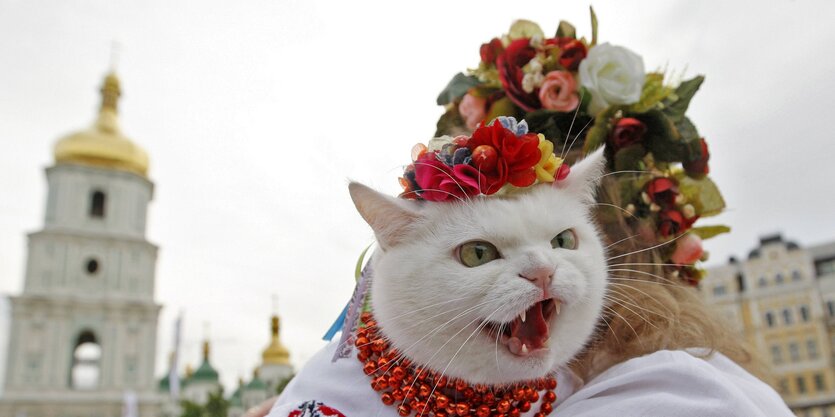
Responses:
[548,162]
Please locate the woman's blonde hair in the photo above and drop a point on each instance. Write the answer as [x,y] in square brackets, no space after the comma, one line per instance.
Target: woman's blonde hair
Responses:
[647,309]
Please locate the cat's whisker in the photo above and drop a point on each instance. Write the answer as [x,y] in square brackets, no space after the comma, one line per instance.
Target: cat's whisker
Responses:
[647,264]
[617,207]
[447,174]
[571,126]
[622,240]
[655,300]
[429,306]
[622,304]
[498,335]
[439,328]
[439,350]
[578,136]
[667,281]
[477,329]
[402,353]
[649,248]
[613,311]
[435,190]
[625,171]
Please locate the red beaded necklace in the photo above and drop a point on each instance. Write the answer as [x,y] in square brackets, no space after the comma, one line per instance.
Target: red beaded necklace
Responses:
[411,389]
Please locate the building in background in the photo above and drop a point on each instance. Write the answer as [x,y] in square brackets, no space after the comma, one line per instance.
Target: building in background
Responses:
[782,299]
[198,387]
[83,331]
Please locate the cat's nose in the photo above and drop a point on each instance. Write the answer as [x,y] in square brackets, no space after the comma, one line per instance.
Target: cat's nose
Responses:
[539,276]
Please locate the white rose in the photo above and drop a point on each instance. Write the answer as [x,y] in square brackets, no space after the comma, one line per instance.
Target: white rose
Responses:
[613,75]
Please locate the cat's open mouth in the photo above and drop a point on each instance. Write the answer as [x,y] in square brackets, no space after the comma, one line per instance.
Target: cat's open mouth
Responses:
[529,331]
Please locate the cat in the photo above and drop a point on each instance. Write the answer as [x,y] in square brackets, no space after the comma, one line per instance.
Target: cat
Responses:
[446,315]
[488,290]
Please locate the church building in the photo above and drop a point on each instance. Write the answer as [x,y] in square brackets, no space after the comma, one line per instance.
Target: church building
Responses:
[83,331]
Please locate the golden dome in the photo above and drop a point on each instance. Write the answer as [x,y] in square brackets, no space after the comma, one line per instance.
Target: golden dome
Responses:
[103,144]
[275,353]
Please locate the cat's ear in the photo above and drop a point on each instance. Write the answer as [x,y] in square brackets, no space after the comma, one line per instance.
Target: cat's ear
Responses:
[585,176]
[391,218]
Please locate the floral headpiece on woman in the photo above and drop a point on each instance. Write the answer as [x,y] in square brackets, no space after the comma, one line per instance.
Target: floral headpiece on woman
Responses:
[578,94]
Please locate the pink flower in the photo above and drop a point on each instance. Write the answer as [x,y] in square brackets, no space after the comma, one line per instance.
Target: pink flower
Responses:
[472,109]
[559,91]
[688,249]
[438,182]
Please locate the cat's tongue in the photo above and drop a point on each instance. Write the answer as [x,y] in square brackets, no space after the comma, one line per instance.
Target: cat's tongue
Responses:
[528,335]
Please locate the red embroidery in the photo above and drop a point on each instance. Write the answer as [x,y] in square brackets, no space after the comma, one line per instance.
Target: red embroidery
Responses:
[314,408]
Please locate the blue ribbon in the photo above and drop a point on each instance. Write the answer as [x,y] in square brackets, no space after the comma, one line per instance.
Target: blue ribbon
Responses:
[337,325]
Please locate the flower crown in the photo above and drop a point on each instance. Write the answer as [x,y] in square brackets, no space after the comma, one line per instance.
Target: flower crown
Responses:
[497,159]
[657,160]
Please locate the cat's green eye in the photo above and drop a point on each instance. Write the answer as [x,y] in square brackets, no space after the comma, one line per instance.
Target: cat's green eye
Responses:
[477,253]
[567,239]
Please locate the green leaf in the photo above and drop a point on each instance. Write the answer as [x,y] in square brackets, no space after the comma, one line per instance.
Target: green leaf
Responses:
[456,88]
[629,158]
[703,194]
[451,123]
[707,232]
[678,103]
[501,107]
[688,133]
[653,92]
[525,29]
[595,138]
[566,30]
[593,26]
[662,137]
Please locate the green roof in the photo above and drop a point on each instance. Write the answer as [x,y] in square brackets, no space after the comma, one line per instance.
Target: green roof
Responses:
[256,384]
[235,399]
[205,373]
[165,383]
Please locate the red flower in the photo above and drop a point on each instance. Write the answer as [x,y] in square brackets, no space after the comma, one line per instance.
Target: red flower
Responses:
[437,181]
[672,222]
[662,191]
[516,156]
[572,52]
[510,63]
[627,131]
[699,166]
[491,50]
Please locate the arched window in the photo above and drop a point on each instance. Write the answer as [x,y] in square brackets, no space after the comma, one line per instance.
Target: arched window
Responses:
[779,279]
[97,204]
[796,275]
[830,308]
[762,282]
[804,313]
[85,372]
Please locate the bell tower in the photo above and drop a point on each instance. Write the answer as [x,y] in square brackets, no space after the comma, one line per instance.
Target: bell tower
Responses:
[83,331]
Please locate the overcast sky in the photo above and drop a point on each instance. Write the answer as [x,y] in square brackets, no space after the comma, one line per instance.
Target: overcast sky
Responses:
[256,116]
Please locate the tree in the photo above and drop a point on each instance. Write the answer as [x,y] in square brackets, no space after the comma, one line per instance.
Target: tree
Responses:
[190,409]
[217,406]
[279,387]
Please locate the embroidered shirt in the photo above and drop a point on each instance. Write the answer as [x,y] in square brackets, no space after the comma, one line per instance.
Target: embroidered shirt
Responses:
[664,383]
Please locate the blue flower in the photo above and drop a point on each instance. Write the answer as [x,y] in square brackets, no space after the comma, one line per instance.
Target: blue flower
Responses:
[510,123]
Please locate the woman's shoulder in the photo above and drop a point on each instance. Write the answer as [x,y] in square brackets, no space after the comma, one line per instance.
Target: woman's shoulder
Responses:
[692,382]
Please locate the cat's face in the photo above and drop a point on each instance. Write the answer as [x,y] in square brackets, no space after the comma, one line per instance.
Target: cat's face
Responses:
[493,290]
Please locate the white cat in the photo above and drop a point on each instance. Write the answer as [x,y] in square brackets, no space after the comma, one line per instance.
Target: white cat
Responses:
[540,278]
[489,290]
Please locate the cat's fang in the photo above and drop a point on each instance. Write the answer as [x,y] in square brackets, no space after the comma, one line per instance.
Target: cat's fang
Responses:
[523,316]
[557,306]
[524,349]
